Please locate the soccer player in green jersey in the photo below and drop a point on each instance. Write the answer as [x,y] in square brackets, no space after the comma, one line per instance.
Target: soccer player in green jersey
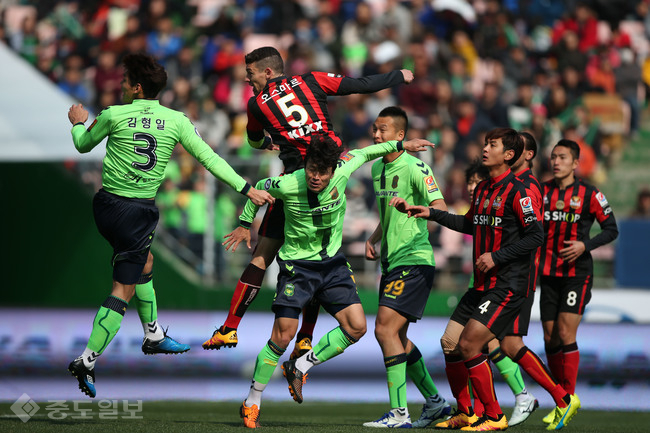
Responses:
[141,137]
[408,266]
[311,265]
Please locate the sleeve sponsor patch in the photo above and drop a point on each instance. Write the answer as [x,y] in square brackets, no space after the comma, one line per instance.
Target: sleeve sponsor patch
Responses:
[602,200]
[526,206]
[431,184]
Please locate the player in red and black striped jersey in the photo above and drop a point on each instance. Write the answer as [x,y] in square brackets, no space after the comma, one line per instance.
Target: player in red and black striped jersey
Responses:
[289,109]
[570,208]
[507,230]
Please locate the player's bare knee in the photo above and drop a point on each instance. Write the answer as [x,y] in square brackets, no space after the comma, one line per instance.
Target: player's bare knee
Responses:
[356,328]
[448,344]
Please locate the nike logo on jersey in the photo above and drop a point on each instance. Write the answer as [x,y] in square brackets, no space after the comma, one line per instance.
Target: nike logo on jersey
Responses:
[405,273]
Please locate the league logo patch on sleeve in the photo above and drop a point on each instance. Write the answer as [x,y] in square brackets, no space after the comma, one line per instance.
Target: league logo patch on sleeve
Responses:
[431,184]
[602,200]
[346,157]
[526,206]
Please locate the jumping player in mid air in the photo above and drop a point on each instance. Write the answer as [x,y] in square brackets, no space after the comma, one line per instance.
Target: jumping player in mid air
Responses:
[141,137]
[291,109]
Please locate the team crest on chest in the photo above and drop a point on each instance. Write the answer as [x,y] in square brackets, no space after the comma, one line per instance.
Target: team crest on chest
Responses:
[486,203]
[559,205]
[575,202]
[496,204]
[334,193]
[395,180]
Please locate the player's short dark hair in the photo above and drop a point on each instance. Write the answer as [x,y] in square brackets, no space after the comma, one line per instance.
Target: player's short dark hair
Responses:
[573,147]
[143,69]
[529,144]
[511,141]
[477,168]
[323,152]
[266,57]
[400,119]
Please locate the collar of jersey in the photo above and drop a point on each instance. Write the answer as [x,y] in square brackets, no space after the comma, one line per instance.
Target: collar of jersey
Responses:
[499,179]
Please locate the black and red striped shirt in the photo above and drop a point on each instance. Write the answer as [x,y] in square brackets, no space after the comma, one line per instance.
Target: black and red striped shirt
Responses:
[568,216]
[534,190]
[503,221]
[290,109]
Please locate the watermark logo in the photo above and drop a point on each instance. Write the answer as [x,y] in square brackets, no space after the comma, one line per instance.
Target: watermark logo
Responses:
[25,407]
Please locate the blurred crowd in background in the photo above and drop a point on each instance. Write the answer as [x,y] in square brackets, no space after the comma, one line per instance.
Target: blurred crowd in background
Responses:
[557,68]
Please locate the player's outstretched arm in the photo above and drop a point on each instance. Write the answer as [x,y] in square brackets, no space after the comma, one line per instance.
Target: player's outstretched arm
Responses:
[408,76]
[235,237]
[417,145]
[259,197]
[413,211]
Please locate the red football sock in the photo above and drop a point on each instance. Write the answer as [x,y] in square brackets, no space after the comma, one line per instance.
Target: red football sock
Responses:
[571,363]
[457,375]
[479,409]
[530,362]
[555,358]
[247,289]
[480,374]
[309,317]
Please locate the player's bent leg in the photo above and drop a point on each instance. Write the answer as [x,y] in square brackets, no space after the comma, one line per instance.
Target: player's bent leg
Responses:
[245,293]
[305,334]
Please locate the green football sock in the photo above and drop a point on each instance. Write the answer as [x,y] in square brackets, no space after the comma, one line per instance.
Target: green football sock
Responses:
[509,370]
[266,362]
[396,376]
[145,299]
[417,371]
[333,343]
[106,324]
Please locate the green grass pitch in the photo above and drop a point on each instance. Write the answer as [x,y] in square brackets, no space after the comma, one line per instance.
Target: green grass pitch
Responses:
[187,416]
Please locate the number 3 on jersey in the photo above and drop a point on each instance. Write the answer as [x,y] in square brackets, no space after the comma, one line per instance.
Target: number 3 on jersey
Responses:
[296,114]
[148,151]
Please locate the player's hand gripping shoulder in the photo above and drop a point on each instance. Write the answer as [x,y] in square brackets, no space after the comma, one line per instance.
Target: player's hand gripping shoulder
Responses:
[259,197]
[235,237]
[417,145]
[77,114]
[411,210]
[408,76]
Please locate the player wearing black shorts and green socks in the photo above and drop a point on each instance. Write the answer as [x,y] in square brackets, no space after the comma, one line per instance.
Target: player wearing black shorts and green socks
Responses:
[408,266]
[311,265]
[141,137]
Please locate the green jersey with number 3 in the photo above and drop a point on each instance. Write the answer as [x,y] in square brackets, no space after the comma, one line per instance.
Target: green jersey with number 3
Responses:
[404,241]
[313,228]
[141,138]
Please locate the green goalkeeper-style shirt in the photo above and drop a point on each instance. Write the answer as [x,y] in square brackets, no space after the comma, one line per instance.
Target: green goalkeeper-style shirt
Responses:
[314,222]
[141,138]
[404,241]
